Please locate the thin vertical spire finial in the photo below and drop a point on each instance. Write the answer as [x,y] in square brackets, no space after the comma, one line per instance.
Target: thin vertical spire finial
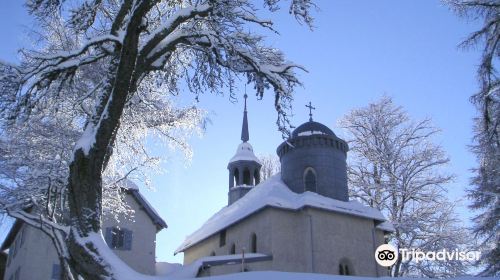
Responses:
[245,136]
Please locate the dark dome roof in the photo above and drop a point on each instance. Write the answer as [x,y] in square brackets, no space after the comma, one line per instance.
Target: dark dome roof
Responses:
[312,127]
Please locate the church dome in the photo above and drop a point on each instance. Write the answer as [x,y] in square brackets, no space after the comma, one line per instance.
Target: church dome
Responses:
[312,128]
[314,159]
[244,152]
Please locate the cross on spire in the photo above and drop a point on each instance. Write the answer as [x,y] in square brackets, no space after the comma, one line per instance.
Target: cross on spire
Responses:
[310,111]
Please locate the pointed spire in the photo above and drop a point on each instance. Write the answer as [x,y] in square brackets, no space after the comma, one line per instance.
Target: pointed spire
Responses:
[244,129]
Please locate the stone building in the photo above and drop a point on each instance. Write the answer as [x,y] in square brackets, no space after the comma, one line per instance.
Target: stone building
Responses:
[300,220]
[32,254]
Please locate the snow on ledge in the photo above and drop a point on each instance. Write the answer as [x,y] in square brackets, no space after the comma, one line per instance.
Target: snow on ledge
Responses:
[274,193]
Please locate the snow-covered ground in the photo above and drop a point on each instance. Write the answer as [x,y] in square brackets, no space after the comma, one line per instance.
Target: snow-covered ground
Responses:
[274,275]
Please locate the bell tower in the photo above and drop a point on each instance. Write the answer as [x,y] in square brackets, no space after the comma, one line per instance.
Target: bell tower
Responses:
[244,166]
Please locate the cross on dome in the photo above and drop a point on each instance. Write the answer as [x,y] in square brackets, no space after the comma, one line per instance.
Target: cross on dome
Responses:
[310,111]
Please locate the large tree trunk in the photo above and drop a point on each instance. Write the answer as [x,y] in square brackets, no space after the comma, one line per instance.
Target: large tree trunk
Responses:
[85,178]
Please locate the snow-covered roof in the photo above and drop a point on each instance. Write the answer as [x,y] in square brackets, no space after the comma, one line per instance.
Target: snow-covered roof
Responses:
[244,152]
[274,193]
[386,226]
[312,127]
[165,268]
[129,185]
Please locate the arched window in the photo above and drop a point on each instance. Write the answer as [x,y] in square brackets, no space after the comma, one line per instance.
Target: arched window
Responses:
[310,180]
[236,176]
[253,243]
[246,177]
[232,251]
[345,267]
[222,238]
[256,176]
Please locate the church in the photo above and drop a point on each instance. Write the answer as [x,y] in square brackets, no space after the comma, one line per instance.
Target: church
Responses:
[300,220]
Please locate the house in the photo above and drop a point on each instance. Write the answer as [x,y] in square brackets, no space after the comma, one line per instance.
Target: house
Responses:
[32,254]
[300,220]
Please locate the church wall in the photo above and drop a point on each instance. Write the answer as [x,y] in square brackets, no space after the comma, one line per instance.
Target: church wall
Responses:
[141,257]
[290,246]
[308,240]
[327,233]
[355,237]
[239,234]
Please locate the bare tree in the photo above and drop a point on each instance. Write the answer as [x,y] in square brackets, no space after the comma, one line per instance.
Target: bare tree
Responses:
[104,62]
[486,191]
[270,165]
[34,160]
[395,167]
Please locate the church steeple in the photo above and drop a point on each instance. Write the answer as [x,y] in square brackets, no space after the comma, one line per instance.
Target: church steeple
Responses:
[244,128]
[244,166]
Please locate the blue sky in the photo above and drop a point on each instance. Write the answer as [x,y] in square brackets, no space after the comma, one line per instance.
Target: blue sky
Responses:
[358,51]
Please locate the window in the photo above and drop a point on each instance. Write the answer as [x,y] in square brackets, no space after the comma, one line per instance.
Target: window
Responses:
[256,176]
[233,249]
[310,180]
[119,238]
[253,243]
[345,268]
[212,254]
[236,177]
[222,238]
[56,272]
[246,177]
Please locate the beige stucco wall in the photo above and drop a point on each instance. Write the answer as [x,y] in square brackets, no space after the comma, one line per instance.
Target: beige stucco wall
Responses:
[142,255]
[289,236]
[34,257]
[37,254]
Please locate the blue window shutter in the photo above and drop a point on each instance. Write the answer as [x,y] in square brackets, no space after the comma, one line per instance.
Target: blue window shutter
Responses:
[128,239]
[108,237]
[56,272]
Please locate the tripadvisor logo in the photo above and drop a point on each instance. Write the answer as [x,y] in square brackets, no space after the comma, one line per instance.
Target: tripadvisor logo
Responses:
[386,255]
